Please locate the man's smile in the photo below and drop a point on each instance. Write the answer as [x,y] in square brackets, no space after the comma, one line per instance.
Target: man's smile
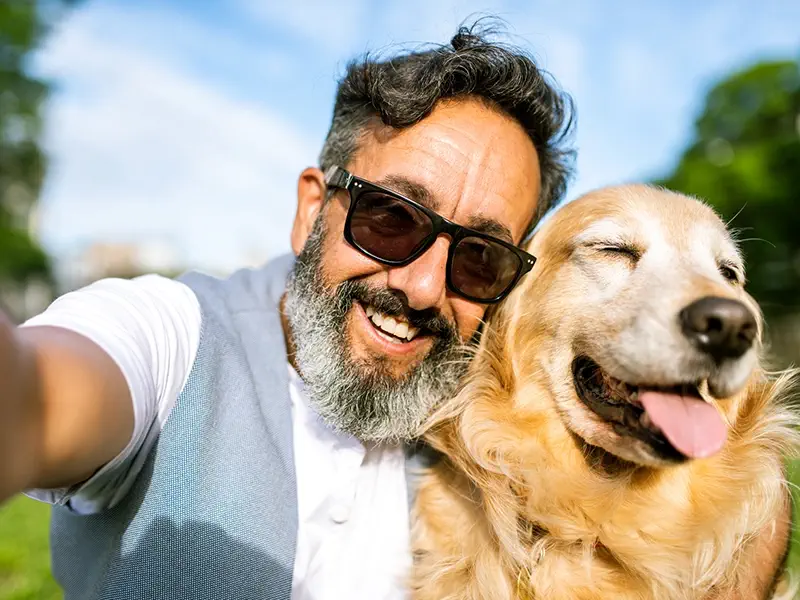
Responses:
[391,336]
[398,328]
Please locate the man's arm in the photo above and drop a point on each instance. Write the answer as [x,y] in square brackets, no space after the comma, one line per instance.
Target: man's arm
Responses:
[65,408]
[83,385]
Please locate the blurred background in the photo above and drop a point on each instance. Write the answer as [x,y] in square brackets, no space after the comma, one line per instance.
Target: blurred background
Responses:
[143,136]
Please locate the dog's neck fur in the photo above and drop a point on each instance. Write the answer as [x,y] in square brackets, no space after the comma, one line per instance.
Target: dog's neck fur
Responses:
[531,519]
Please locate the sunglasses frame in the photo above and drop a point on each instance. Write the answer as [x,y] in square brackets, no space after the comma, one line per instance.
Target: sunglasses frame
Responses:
[338,178]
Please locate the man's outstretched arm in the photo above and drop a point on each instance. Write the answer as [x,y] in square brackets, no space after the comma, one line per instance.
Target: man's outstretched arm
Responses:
[65,408]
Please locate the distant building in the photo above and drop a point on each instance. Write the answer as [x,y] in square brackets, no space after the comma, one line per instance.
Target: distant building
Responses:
[101,259]
[116,259]
[22,300]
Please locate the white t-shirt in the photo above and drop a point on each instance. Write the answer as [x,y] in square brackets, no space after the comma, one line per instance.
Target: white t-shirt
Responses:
[353,537]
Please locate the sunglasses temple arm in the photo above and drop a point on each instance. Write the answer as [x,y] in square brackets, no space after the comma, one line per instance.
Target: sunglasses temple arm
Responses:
[337,177]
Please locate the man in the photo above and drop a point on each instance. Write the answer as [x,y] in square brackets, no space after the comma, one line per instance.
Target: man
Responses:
[244,438]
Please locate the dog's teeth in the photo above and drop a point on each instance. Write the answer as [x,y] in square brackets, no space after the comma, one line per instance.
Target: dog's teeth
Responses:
[645,420]
[634,397]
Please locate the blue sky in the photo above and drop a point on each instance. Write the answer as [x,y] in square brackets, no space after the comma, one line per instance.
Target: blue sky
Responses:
[187,122]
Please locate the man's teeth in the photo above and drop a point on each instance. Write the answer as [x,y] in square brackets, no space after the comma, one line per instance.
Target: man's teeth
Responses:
[401,330]
[391,325]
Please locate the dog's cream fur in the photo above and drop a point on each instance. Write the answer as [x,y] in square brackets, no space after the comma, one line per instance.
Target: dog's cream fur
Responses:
[537,497]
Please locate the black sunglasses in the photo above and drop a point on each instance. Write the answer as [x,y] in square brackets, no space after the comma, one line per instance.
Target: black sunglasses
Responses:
[395,231]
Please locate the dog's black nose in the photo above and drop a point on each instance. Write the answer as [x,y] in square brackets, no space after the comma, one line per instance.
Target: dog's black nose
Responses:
[720,327]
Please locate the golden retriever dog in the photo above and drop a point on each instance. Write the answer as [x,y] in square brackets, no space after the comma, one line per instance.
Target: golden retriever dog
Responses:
[616,437]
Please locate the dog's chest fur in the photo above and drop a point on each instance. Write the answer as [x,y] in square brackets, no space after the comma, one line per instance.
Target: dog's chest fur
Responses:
[481,537]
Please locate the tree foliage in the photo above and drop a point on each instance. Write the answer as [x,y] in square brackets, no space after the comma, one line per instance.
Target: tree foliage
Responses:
[745,161]
[22,163]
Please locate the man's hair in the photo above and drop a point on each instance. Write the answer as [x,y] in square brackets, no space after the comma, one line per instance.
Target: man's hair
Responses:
[403,90]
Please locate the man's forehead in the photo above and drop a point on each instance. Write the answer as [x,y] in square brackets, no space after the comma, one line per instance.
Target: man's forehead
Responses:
[465,160]
[485,223]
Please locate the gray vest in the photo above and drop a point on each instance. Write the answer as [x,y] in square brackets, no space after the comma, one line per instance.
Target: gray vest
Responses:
[213,512]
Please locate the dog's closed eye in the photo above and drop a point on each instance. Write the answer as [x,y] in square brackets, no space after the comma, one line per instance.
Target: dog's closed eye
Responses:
[619,250]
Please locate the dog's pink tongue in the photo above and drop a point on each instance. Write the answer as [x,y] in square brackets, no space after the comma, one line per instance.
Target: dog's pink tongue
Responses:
[692,425]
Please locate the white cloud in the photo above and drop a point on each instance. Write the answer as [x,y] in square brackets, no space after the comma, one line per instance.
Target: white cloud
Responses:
[160,129]
[331,24]
[140,148]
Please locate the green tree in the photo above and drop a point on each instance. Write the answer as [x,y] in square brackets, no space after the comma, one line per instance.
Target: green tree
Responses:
[23,24]
[745,161]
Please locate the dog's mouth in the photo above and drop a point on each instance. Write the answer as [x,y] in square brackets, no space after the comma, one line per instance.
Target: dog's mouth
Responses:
[674,421]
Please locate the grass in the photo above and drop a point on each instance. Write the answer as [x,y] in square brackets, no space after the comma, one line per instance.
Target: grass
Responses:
[25,557]
[24,552]
[794,553]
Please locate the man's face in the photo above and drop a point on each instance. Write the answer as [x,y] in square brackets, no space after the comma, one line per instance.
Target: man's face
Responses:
[471,164]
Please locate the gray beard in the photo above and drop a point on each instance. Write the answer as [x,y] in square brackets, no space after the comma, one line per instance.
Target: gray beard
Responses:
[366,401]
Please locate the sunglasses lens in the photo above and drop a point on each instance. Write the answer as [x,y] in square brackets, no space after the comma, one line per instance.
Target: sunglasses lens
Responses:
[483,269]
[388,228]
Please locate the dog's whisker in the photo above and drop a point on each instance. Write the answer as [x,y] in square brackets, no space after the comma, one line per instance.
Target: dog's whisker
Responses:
[738,212]
[742,241]
[737,231]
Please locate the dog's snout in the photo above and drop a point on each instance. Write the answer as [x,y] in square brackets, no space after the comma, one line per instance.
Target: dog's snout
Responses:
[720,327]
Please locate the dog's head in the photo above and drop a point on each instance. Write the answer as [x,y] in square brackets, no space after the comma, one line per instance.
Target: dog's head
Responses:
[636,321]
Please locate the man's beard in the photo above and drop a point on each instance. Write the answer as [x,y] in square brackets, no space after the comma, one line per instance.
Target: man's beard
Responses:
[366,401]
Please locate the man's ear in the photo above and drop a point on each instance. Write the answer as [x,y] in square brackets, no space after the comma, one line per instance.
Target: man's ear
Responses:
[310,200]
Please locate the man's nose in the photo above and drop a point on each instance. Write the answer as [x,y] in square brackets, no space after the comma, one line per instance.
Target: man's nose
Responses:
[424,280]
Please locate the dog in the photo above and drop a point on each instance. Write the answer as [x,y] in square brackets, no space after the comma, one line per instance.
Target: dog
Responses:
[617,436]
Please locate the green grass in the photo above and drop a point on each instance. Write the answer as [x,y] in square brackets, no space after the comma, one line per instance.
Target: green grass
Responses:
[24,552]
[25,558]
[794,553]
